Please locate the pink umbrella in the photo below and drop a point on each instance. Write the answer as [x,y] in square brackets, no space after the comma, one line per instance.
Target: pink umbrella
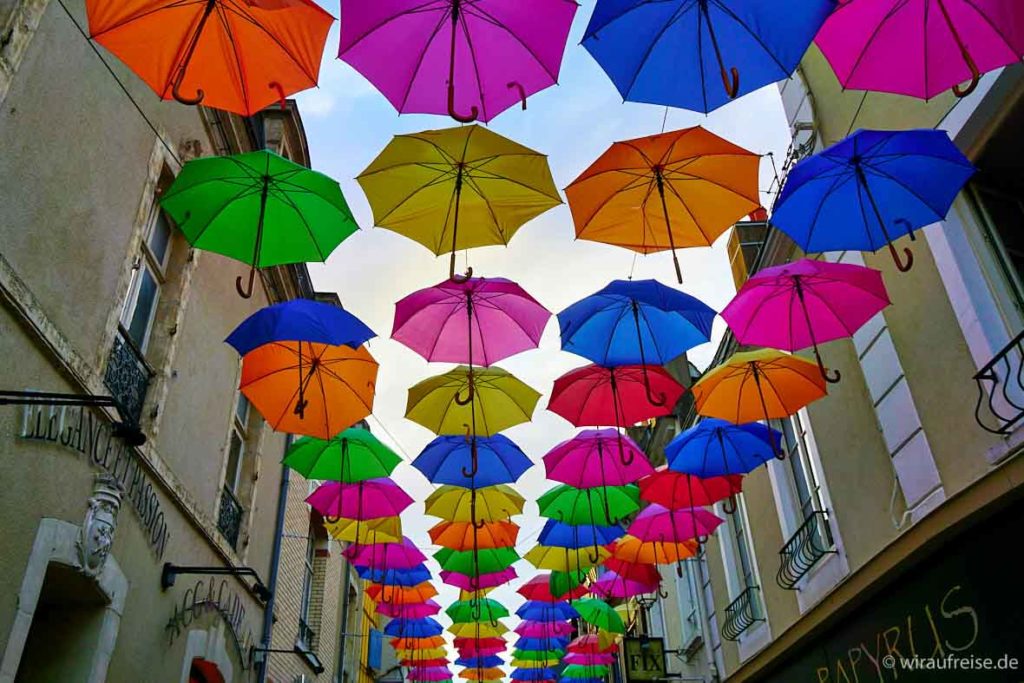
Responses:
[543,629]
[404,555]
[611,585]
[370,499]
[921,48]
[468,583]
[806,303]
[588,659]
[583,461]
[451,56]
[429,673]
[675,490]
[658,523]
[416,610]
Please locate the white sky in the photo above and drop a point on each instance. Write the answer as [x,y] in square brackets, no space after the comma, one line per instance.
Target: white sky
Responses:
[348,122]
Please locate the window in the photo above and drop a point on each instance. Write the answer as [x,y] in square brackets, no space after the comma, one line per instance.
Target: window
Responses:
[306,635]
[238,472]
[148,277]
[742,566]
[800,472]
[745,609]
[236,449]
[688,593]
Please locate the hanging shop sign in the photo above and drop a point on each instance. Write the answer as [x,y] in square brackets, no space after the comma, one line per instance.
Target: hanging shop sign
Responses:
[213,597]
[81,430]
[644,659]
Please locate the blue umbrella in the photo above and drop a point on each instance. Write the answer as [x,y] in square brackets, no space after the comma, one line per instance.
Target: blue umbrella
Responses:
[566,679]
[561,535]
[541,643]
[635,322]
[300,320]
[538,610]
[545,674]
[714,448]
[448,459]
[413,628]
[395,577]
[480,662]
[669,52]
[871,188]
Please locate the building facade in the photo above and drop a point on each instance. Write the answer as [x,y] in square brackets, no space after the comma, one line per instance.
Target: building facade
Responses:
[119,561]
[880,543]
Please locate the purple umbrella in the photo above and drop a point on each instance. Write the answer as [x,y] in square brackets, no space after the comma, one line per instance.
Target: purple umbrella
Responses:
[588,658]
[414,610]
[586,460]
[658,523]
[369,499]
[447,56]
[610,585]
[402,555]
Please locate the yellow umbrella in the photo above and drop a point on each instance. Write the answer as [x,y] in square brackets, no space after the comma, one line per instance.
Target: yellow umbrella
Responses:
[423,655]
[422,184]
[472,595]
[481,630]
[380,530]
[493,503]
[563,559]
[530,664]
[493,674]
[483,401]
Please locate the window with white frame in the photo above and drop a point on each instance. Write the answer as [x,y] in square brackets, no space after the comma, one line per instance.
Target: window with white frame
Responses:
[688,594]
[746,607]
[149,273]
[307,586]
[238,471]
[237,447]
[742,565]
[801,476]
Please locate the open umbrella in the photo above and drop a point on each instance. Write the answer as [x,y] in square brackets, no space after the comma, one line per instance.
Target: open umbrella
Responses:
[446,459]
[576,507]
[921,48]
[475,56]
[657,523]
[409,577]
[674,490]
[542,629]
[353,455]
[385,555]
[485,662]
[534,675]
[611,586]
[492,504]
[679,189]
[428,185]
[588,659]
[236,55]
[353,530]
[416,610]
[433,674]
[539,588]
[300,320]
[564,584]
[798,305]
[534,655]
[474,563]
[561,560]
[481,582]
[633,551]
[540,645]
[479,630]
[477,609]
[871,188]
[308,388]
[466,535]
[756,385]
[715,448]
[589,644]
[412,644]
[539,611]
[600,614]
[401,595]
[258,208]
[478,674]
[480,646]
[587,460]
[589,671]
[562,535]
[368,499]
[413,628]
[669,52]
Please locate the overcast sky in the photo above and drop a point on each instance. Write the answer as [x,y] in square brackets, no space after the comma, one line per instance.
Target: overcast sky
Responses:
[348,122]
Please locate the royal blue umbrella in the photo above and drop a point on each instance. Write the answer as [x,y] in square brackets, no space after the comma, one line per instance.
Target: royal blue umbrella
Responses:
[488,662]
[545,674]
[871,188]
[541,643]
[561,535]
[395,577]
[671,52]
[538,610]
[300,320]
[567,679]
[448,459]
[413,628]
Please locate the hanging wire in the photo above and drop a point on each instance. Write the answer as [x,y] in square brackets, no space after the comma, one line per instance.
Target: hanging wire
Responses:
[664,120]
[120,84]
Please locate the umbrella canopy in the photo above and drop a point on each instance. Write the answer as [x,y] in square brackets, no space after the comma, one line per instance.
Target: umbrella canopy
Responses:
[395,577]
[417,610]
[600,614]
[643,572]
[656,523]
[798,305]
[477,609]
[485,662]
[588,506]
[664,192]
[534,675]
[479,630]
[258,208]
[541,629]
[413,628]
[416,662]
[716,448]
[446,459]
[354,455]
[300,320]
[869,185]
[675,490]
[489,400]
[308,388]
[365,531]
[632,322]
[493,674]
[554,612]
[235,56]
[422,184]
[561,560]
[921,48]
[589,644]
[561,535]
[539,588]
[368,499]
[755,385]
[527,655]
[565,584]
[540,645]
[420,654]
[636,552]
[474,563]
[588,659]
[401,595]
[489,504]
[402,555]
[578,671]
[477,320]
[469,59]
[539,664]
[433,674]
[482,582]
[474,643]
[588,460]
[611,586]
[467,535]
[668,53]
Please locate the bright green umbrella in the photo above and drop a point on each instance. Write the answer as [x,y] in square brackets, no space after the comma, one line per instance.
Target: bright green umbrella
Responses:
[603,506]
[477,609]
[537,655]
[563,582]
[258,208]
[475,563]
[600,614]
[585,671]
[352,456]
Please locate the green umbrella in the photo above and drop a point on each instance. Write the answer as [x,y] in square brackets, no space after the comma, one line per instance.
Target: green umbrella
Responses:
[600,614]
[537,655]
[475,563]
[476,609]
[352,456]
[563,582]
[585,671]
[258,208]
[603,506]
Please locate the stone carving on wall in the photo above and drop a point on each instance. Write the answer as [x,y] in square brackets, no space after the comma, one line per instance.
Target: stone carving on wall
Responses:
[97,533]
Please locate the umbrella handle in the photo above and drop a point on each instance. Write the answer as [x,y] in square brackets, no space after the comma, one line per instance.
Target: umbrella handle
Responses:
[596,557]
[190,51]
[975,78]
[469,395]
[902,266]
[177,94]
[459,279]
[474,466]
[519,87]
[679,568]
[729,506]
[474,113]
[662,594]
[480,524]
[246,293]
[282,99]
[732,85]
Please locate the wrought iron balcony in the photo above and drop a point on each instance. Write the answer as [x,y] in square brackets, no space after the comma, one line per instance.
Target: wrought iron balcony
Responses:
[742,613]
[229,520]
[127,377]
[1001,389]
[811,542]
[307,636]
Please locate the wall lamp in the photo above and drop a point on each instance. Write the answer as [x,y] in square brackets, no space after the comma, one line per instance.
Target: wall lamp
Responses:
[170,571]
[127,430]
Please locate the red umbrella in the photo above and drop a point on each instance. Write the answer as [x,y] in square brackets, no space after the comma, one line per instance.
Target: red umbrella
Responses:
[539,588]
[675,490]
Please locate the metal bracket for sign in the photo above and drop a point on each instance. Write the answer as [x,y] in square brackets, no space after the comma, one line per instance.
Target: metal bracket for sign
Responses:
[308,655]
[127,430]
[170,571]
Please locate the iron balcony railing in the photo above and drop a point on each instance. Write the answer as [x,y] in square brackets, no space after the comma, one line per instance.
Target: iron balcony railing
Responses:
[127,377]
[811,542]
[229,520]
[742,613]
[307,636]
[1000,383]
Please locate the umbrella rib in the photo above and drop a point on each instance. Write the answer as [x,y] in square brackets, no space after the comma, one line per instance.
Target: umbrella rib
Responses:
[726,10]
[657,38]
[988,20]
[222,16]
[491,19]
[897,6]
[836,182]
[237,9]
[425,7]
[902,185]
[143,14]
[288,200]
[471,182]
[476,69]
[419,63]
[240,195]
[689,212]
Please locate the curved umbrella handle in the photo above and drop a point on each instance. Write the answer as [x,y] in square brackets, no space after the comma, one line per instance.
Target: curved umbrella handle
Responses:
[732,86]
[662,594]
[474,113]
[679,568]
[246,293]
[459,279]
[480,524]
[281,97]
[902,266]
[477,611]
[626,461]
[596,557]
[702,540]
[654,399]
[729,506]
[334,520]
[189,53]
[184,99]
[474,460]
[469,395]
[522,91]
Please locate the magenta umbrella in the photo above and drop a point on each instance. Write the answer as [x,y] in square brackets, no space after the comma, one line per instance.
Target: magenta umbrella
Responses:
[806,303]
[544,629]
[656,523]
[369,499]
[469,583]
[589,658]
[921,48]
[583,461]
[404,555]
[429,673]
[450,56]
[413,610]
[611,585]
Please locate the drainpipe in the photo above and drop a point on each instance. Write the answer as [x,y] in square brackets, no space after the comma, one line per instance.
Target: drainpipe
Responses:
[275,562]
[343,631]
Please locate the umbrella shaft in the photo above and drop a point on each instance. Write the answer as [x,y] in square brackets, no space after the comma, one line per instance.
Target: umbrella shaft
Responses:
[458,182]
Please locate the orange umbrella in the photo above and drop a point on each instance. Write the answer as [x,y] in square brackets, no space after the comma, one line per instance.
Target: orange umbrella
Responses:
[401,595]
[236,55]
[463,535]
[413,644]
[494,674]
[632,549]
[668,191]
[306,388]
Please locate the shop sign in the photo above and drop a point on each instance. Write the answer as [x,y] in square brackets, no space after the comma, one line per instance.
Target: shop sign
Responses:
[213,596]
[644,659]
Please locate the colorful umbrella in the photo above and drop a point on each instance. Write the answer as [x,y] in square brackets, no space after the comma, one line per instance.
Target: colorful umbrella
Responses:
[589,644]
[395,577]
[587,506]
[477,609]
[300,320]
[429,674]
[420,654]
[489,504]
[545,645]
[798,305]
[352,456]
[401,595]
[642,572]
[542,629]
[478,645]
[385,555]
[562,535]
[588,659]
[528,655]
[577,671]
[548,612]
[867,190]
[413,628]
[675,490]
[370,499]
[534,675]
[491,674]
[715,448]
[474,56]
[423,183]
[600,614]
[657,523]
[234,55]
[636,552]
[539,588]
[474,563]
[565,584]
[466,535]
[611,586]
[485,662]
[539,664]
[447,460]
[679,189]
[310,389]
[921,48]
[479,630]
[666,52]
[416,662]
[258,208]
[411,611]
[561,560]
[587,460]
[350,530]
[481,582]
